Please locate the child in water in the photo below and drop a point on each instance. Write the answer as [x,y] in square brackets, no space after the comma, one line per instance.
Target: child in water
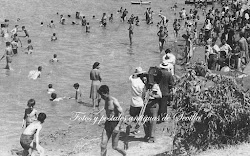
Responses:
[87,28]
[30,113]
[54,59]
[111,18]
[55,98]
[78,95]
[34,74]
[50,89]
[53,38]
[29,47]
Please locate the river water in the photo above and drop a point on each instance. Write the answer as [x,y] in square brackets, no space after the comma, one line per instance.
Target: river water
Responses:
[77,51]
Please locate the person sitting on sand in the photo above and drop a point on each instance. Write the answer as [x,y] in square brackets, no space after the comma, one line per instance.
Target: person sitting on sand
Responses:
[87,28]
[34,74]
[30,114]
[54,59]
[27,137]
[8,54]
[50,89]
[53,38]
[29,47]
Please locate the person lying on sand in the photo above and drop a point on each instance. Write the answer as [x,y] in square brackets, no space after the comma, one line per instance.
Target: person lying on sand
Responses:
[27,137]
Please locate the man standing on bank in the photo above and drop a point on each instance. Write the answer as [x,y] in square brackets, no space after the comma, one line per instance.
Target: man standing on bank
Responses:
[166,84]
[112,127]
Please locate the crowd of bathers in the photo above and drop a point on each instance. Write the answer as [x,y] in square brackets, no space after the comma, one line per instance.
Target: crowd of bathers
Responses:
[229,26]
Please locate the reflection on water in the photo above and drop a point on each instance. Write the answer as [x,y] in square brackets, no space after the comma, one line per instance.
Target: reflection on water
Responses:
[130,50]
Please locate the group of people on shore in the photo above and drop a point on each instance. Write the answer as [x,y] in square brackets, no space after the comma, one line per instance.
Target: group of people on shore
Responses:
[225,35]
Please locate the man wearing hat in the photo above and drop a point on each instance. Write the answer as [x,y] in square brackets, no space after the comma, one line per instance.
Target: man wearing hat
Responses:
[166,84]
[167,65]
[170,58]
[137,88]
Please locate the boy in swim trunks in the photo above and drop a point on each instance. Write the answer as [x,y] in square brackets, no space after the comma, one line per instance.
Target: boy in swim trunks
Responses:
[8,54]
[162,35]
[112,127]
[29,47]
[27,137]
[30,114]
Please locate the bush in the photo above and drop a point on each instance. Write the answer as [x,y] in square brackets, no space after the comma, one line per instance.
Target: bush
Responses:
[224,110]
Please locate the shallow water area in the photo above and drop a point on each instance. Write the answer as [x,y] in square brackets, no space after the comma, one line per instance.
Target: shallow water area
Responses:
[76,51]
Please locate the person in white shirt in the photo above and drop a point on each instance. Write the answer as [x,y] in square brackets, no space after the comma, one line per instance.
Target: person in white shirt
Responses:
[225,47]
[169,57]
[168,66]
[34,74]
[137,88]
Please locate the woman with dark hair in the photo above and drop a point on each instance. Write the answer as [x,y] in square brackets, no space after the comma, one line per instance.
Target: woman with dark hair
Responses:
[96,82]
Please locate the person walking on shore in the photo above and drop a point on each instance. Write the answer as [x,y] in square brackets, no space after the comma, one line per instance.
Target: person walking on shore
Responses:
[27,137]
[96,81]
[112,127]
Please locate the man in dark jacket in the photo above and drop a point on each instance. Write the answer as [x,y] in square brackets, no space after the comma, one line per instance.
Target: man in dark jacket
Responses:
[166,84]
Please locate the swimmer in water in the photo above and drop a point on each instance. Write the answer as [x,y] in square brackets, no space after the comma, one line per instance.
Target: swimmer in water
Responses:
[53,38]
[29,47]
[87,28]
[25,32]
[50,89]
[8,54]
[54,59]
[51,25]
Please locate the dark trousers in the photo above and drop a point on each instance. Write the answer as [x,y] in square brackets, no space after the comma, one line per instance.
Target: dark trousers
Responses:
[151,111]
[164,103]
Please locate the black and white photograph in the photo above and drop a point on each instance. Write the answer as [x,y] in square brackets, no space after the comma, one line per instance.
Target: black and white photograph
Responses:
[125,77]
